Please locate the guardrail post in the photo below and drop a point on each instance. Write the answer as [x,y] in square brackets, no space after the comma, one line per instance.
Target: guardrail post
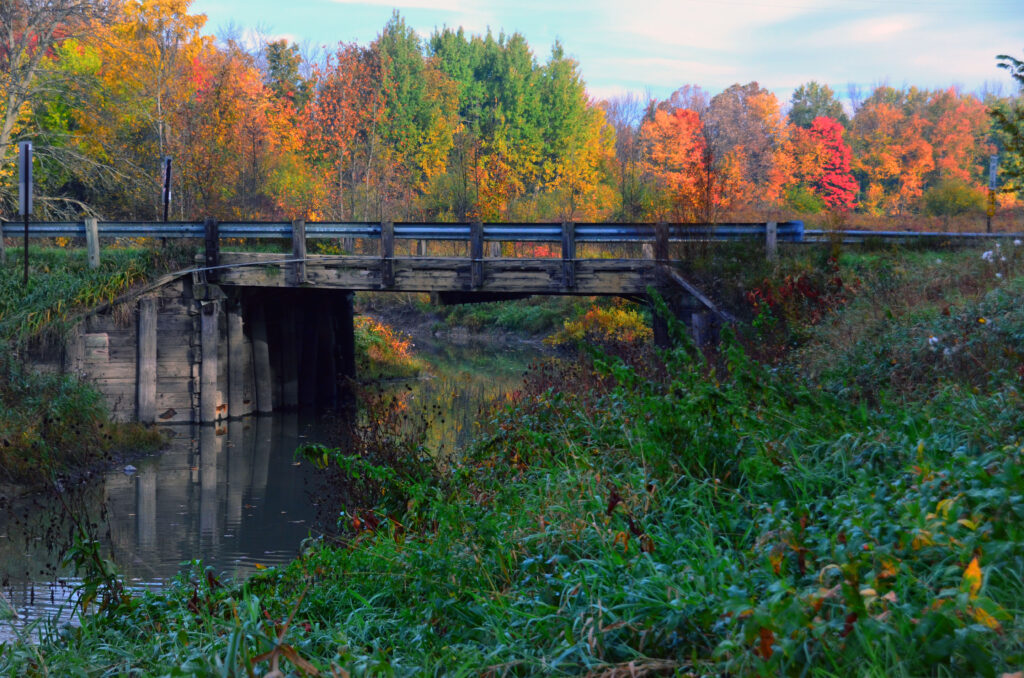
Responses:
[3,245]
[92,241]
[568,254]
[476,254]
[771,240]
[387,254]
[661,242]
[298,269]
[212,257]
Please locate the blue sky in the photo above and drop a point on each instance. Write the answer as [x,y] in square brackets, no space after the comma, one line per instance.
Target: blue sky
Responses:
[656,46]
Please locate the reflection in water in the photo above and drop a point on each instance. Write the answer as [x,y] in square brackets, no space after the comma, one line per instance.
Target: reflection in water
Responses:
[233,495]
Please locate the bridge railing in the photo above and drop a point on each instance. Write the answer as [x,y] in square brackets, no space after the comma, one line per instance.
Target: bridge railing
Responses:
[791,231]
[474,234]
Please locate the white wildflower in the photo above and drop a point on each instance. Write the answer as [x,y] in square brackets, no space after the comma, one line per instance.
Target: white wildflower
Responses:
[987,255]
[933,340]
[1017,242]
[999,275]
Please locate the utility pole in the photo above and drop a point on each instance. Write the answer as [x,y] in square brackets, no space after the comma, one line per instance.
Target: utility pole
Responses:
[25,192]
[993,165]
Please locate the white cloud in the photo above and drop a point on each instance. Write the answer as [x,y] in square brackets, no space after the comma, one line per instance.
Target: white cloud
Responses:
[436,5]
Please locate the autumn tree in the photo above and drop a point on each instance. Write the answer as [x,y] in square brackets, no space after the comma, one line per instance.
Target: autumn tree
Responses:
[31,33]
[812,100]
[831,178]
[675,155]
[1008,121]
[744,130]
[891,156]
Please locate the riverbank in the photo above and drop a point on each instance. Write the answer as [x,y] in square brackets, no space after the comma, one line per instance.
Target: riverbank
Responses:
[848,507]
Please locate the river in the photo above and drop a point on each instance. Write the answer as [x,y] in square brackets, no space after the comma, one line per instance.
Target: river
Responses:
[232,496]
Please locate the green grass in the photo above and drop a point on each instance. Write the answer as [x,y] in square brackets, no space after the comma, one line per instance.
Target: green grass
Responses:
[688,514]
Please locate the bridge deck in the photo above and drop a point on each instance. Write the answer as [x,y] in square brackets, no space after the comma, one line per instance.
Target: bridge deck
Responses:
[444,274]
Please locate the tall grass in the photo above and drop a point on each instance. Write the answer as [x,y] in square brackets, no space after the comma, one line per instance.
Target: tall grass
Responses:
[628,515]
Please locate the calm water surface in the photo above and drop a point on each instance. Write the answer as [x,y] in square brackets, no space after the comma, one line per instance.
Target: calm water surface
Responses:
[233,495]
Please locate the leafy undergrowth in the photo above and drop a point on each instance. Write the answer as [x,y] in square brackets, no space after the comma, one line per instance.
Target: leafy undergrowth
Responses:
[631,515]
[55,424]
[383,352]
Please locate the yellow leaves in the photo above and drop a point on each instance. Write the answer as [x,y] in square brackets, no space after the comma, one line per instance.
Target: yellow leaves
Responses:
[983,617]
[972,578]
[922,539]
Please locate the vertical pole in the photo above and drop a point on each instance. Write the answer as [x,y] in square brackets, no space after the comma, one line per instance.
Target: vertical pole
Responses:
[568,254]
[699,328]
[92,241]
[310,361]
[208,369]
[25,184]
[261,361]
[659,323]
[212,250]
[661,243]
[145,394]
[327,374]
[387,254]
[290,358]
[236,361]
[476,254]
[298,269]
[347,337]
[3,245]
[166,193]
[771,240]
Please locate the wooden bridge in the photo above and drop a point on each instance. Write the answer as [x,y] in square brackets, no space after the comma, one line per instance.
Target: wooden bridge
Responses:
[248,331]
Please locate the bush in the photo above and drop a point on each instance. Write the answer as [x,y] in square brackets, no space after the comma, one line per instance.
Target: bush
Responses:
[952,198]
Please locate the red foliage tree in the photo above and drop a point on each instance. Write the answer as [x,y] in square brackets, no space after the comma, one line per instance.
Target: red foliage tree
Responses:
[834,182]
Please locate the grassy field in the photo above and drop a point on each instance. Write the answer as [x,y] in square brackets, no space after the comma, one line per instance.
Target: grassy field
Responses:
[847,503]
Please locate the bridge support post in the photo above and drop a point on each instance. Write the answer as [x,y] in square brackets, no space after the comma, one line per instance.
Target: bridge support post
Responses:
[327,370]
[309,356]
[298,269]
[290,358]
[264,378]
[238,366]
[347,336]
[568,255]
[208,395]
[145,394]
[771,240]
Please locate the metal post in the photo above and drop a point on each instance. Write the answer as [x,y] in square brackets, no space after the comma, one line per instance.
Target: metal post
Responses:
[476,254]
[771,235]
[387,254]
[25,186]
[568,254]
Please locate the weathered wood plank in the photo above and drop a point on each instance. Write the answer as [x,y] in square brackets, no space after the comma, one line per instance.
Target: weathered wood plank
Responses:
[261,360]
[236,360]
[208,395]
[147,359]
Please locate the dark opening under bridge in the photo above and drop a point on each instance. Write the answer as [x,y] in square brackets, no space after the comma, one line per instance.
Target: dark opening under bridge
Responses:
[248,331]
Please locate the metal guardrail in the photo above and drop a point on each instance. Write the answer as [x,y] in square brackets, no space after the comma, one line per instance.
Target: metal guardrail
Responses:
[787,231]
[791,231]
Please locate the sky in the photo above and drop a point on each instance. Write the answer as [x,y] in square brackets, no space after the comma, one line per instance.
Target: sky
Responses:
[652,47]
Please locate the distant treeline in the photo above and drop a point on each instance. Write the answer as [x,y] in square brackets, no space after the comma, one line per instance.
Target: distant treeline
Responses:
[454,127]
